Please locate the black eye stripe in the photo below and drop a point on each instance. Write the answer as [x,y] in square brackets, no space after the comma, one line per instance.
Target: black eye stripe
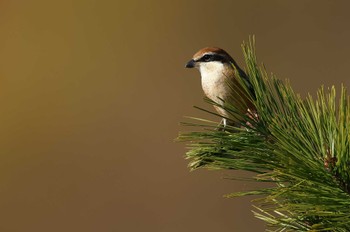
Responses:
[212,57]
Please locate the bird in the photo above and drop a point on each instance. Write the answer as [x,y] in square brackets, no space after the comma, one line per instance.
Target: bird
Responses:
[219,81]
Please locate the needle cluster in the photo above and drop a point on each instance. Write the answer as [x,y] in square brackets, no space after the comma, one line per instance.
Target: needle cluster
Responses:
[302,146]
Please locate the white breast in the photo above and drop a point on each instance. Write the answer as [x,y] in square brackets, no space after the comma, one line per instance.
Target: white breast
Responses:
[213,80]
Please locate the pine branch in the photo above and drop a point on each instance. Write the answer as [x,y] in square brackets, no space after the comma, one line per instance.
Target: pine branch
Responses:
[302,146]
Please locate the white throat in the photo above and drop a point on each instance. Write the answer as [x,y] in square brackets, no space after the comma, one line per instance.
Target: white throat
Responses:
[211,68]
[213,79]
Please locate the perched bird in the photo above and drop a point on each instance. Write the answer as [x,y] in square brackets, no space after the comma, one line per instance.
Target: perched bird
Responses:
[219,81]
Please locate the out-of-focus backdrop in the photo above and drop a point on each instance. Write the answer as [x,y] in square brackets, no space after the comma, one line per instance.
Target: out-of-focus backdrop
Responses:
[92,93]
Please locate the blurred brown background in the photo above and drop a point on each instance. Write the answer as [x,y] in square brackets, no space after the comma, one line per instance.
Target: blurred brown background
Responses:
[91,94]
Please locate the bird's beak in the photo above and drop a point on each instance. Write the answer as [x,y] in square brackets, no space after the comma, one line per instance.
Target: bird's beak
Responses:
[191,64]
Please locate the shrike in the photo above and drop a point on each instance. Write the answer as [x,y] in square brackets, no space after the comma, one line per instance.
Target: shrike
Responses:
[219,82]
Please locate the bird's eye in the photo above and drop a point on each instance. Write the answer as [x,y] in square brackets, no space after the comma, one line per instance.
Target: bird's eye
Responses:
[207,57]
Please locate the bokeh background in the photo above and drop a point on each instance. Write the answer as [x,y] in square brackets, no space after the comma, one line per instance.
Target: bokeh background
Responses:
[92,93]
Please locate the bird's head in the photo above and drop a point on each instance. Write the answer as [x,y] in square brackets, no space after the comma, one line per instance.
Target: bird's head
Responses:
[209,59]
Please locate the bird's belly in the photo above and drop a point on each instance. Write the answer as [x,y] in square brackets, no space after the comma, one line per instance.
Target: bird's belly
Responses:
[215,87]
